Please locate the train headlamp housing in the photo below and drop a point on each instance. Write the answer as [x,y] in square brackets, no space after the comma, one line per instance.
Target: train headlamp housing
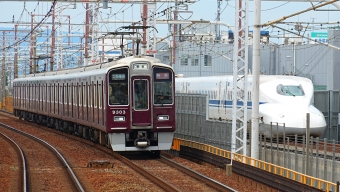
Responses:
[119,118]
[163,117]
[140,66]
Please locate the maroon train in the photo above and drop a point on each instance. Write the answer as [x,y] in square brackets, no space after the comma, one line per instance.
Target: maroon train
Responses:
[127,104]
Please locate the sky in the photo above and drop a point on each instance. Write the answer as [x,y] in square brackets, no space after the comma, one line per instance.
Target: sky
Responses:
[202,9]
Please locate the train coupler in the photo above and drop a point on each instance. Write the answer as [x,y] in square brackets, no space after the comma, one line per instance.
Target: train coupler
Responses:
[142,139]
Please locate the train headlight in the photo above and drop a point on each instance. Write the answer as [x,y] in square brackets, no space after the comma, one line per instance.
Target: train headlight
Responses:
[119,118]
[163,117]
[281,116]
[143,66]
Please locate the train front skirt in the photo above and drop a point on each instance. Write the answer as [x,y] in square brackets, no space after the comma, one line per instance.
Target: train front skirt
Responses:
[118,142]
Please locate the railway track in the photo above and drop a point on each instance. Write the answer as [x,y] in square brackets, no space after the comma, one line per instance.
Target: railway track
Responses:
[88,144]
[33,148]
[273,181]
[22,178]
[197,181]
[162,183]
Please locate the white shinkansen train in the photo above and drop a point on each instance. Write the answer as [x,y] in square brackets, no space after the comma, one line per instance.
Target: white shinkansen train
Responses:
[283,100]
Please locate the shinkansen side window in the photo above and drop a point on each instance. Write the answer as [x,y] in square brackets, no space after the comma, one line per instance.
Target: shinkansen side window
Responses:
[162,86]
[118,87]
[290,90]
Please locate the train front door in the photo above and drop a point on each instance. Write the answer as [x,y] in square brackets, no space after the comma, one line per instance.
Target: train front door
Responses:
[141,105]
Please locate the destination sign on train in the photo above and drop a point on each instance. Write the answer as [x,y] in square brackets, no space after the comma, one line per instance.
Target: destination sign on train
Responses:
[162,75]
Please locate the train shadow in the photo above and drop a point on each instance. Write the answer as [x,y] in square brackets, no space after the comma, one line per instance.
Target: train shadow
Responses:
[141,155]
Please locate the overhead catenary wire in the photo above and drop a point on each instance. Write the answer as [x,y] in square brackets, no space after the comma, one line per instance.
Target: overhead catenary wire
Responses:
[31,32]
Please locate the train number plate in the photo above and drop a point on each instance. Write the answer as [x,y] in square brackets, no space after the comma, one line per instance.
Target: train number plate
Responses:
[119,112]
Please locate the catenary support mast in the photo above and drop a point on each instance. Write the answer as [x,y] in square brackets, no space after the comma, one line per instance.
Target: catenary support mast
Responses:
[240,78]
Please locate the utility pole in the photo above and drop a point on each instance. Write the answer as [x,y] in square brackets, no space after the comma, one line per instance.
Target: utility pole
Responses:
[256,81]
[94,32]
[87,31]
[32,45]
[3,68]
[144,18]
[15,53]
[34,52]
[240,79]
[218,18]
[174,38]
[53,38]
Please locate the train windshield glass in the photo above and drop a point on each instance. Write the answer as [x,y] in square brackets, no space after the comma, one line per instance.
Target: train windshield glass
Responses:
[162,86]
[290,90]
[118,87]
[140,94]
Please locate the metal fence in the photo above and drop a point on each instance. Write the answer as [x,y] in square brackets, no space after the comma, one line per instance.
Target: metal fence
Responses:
[193,124]
[319,159]
[328,103]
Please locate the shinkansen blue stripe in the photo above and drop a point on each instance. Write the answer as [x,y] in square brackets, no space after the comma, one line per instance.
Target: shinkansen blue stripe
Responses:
[229,103]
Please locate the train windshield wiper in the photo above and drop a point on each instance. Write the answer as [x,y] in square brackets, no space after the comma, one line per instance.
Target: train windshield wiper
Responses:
[288,91]
[159,99]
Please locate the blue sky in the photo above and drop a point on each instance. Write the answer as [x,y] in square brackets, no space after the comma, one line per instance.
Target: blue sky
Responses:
[203,9]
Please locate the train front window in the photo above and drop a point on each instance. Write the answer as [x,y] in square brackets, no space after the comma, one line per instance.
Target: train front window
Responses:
[163,93]
[140,94]
[118,87]
[290,90]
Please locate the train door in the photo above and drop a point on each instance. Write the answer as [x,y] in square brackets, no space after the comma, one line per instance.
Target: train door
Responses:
[141,109]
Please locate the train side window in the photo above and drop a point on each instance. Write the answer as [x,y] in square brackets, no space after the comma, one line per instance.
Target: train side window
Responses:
[29,93]
[59,90]
[100,95]
[75,94]
[91,94]
[69,86]
[95,95]
[84,96]
[52,92]
[43,96]
[63,92]
[79,95]
[87,99]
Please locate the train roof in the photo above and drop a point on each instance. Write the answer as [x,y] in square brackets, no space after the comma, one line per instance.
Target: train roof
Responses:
[101,68]
[263,78]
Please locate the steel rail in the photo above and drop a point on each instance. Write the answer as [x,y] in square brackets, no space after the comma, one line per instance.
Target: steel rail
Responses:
[23,162]
[210,182]
[161,183]
[53,149]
